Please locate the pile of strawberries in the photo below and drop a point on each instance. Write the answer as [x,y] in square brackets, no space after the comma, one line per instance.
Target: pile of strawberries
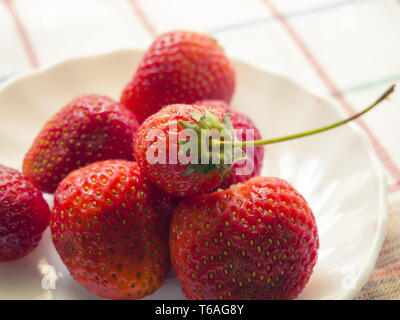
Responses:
[120,219]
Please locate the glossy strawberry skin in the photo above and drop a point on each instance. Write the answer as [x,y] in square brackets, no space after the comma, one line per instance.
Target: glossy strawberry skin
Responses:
[255,155]
[24,215]
[256,240]
[170,177]
[179,67]
[110,227]
[90,128]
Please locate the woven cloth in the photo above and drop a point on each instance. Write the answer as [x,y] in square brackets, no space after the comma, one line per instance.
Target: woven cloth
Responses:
[346,51]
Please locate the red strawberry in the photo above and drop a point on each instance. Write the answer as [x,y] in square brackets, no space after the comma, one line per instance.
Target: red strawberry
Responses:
[179,67]
[255,155]
[24,215]
[110,228]
[89,129]
[214,104]
[170,161]
[256,240]
[165,127]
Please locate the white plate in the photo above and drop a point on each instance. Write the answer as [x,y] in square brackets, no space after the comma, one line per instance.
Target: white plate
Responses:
[337,171]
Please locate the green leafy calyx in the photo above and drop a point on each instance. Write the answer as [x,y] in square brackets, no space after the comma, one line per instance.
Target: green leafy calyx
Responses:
[203,146]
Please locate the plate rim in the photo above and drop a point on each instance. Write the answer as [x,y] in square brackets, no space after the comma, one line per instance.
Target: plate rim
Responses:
[382,223]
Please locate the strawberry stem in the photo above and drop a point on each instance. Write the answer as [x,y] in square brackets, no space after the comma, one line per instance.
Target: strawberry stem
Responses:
[384,96]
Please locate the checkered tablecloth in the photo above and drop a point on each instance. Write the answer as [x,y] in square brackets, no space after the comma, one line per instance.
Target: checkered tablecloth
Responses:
[344,50]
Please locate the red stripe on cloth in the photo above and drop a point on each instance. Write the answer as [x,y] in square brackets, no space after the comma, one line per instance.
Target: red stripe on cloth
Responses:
[143,18]
[23,35]
[382,153]
[389,250]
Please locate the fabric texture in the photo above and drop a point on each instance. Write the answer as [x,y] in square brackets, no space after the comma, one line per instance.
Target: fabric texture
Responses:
[343,50]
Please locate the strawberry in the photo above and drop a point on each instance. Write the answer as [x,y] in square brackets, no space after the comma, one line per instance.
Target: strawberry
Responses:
[110,227]
[89,129]
[256,240]
[166,171]
[179,67]
[182,168]
[255,155]
[24,215]
[214,104]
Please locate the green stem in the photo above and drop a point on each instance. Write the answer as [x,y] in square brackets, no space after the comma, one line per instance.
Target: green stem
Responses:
[315,131]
